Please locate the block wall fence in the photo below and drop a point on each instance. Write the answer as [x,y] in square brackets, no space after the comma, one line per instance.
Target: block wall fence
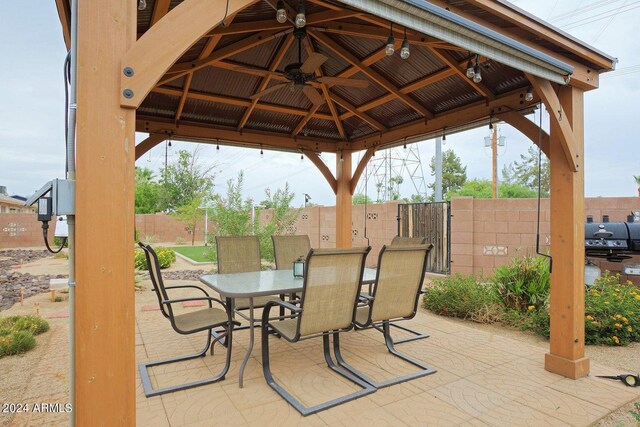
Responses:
[485,233]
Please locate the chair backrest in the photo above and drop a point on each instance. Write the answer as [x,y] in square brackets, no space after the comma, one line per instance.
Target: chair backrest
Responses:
[156,279]
[238,254]
[399,281]
[288,249]
[331,286]
[408,241]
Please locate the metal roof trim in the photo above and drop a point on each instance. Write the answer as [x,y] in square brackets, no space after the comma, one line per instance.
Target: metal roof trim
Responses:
[449,27]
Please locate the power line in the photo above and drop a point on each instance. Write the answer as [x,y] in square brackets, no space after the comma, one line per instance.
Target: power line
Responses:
[600,16]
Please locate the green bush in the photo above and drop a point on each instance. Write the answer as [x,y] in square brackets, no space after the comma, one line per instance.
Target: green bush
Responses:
[16,342]
[612,312]
[16,333]
[465,297]
[35,325]
[166,257]
[523,283]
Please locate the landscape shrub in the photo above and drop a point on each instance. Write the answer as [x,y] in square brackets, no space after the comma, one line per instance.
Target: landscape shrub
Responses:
[523,283]
[17,333]
[612,311]
[465,297]
[166,257]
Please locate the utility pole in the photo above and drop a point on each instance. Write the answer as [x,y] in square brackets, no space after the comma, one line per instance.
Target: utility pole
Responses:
[494,160]
[438,165]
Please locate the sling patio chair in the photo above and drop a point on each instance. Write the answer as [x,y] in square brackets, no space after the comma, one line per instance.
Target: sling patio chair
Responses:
[407,241]
[206,319]
[287,249]
[327,307]
[395,297]
[240,254]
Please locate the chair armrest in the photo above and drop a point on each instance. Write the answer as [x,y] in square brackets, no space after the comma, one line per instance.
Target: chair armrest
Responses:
[267,308]
[365,298]
[423,291]
[187,286]
[209,299]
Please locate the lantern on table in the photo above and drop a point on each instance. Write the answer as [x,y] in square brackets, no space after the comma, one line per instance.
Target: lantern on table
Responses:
[298,267]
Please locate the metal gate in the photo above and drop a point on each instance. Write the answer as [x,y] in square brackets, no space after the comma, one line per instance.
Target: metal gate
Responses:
[433,221]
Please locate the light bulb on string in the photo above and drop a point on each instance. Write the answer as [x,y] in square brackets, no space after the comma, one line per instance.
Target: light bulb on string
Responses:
[301,19]
[281,13]
[404,51]
[389,49]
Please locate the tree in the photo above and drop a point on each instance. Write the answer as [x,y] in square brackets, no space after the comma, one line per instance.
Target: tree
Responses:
[190,215]
[282,221]
[231,214]
[482,189]
[454,175]
[361,199]
[185,180]
[525,172]
[147,192]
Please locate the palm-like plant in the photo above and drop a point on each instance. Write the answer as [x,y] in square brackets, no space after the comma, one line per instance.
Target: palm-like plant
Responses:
[637,178]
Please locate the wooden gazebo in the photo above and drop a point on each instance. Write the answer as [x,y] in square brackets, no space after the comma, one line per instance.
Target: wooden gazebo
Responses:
[191,69]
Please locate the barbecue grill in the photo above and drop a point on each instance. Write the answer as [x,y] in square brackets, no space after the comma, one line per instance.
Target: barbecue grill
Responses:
[615,241]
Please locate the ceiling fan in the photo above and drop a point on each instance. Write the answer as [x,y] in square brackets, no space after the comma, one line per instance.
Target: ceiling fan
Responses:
[300,73]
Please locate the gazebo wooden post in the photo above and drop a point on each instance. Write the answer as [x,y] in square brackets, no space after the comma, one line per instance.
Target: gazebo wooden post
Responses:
[104,299]
[343,199]
[566,350]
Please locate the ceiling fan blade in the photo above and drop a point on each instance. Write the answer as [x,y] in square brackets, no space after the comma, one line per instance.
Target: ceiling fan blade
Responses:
[312,63]
[343,82]
[269,90]
[313,95]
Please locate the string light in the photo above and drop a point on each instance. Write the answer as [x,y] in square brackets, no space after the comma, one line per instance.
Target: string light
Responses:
[142,4]
[470,72]
[301,19]
[404,51]
[477,76]
[444,133]
[390,48]
[281,13]
[529,95]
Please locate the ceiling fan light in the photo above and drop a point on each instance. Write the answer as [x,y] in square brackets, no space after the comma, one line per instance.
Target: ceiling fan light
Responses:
[477,77]
[301,19]
[529,95]
[404,51]
[470,72]
[281,13]
[389,49]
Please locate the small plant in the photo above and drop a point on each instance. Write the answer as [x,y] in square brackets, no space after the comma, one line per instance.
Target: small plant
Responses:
[465,297]
[636,413]
[16,333]
[523,283]
[165,258]
[180,240]
[61,255]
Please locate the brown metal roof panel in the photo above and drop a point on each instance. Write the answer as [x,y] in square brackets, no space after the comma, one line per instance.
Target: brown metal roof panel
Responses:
[357,96]
[356,127]
[334,64]
[288,95]
[317,128]
[262,11]
[177,83]
[196,110]
[446,94]
[272,121]
[500,78]
[421,62]
[194,51]
[259,56]
[358,46]
[394,113]
[219,81]
[159,105]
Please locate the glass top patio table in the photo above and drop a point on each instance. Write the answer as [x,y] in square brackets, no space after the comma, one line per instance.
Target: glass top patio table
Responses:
[257,284]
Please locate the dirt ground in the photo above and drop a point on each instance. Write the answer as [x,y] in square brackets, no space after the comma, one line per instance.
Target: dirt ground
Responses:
[17,371]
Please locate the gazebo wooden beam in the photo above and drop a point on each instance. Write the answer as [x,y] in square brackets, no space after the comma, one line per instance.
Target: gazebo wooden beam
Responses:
[324,170]
[160,9]
[206,51]
[64,13]
[554,107]
[527,128]
[150,56]
[344,204]
[355,112]
[105,380]
[151,141]
[211,134]
[451,62]
[275,63]
[467,114]
[360,169]
[241,102]
[374,75]
[301,124]
[369,60]
[566,300]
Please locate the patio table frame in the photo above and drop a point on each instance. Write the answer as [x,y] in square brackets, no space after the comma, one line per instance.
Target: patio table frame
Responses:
[256,284]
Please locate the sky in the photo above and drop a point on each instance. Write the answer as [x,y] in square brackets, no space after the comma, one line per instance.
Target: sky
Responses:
[32,113]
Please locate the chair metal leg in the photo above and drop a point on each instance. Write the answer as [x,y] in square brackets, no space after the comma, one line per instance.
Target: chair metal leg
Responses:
[416,334]
[149,391]
[424,368]
[304,410]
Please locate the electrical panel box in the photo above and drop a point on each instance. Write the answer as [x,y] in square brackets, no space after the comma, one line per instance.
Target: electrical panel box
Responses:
[61,227]
[62,199]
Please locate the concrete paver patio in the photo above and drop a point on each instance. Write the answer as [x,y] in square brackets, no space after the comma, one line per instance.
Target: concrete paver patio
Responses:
[483,379]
